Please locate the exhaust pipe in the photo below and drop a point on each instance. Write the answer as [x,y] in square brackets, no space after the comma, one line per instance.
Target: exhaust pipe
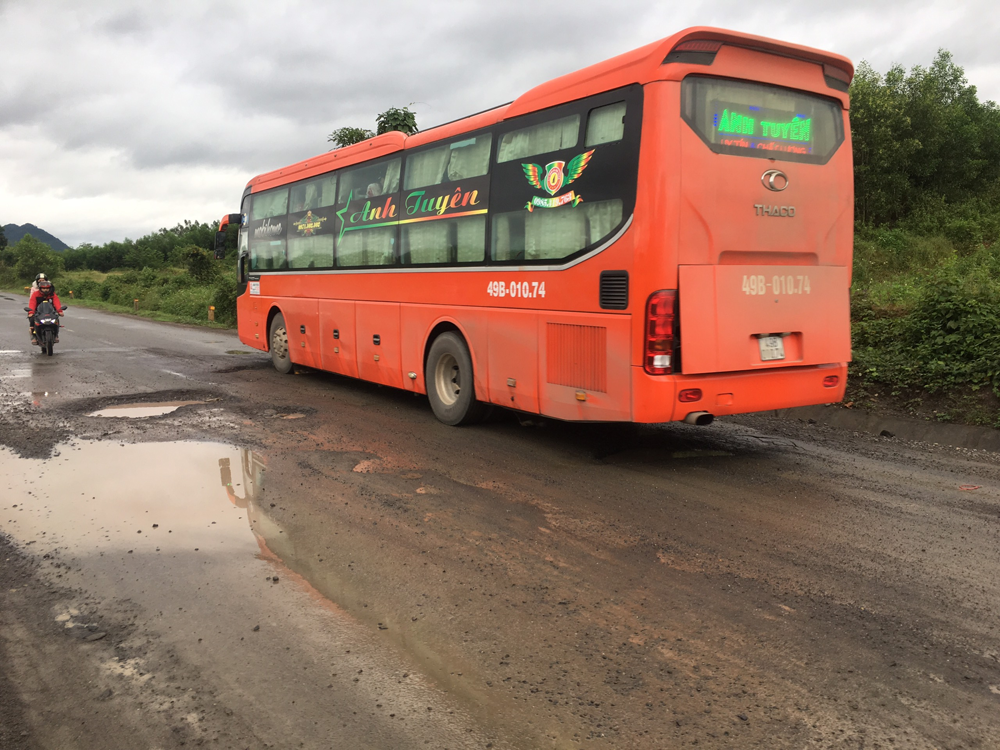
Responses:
[700,418]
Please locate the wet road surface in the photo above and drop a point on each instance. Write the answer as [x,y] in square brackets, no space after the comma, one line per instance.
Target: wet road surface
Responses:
[223,554]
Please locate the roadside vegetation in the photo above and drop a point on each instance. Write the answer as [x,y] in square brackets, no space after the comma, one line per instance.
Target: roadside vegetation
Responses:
[925,301]
[170,275]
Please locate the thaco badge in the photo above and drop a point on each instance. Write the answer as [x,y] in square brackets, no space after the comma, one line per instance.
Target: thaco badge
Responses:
[771,348]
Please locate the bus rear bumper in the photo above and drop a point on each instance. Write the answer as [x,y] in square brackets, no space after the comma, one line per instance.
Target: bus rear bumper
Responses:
[658,398]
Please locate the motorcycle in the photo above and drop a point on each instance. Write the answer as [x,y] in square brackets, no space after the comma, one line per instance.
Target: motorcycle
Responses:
[46,324]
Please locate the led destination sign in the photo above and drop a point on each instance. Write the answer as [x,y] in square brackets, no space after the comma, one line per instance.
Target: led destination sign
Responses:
[750,127]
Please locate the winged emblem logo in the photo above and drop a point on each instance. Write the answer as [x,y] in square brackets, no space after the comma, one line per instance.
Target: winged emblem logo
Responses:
[557,175]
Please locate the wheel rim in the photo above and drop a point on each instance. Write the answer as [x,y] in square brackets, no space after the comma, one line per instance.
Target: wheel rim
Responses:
[279,343]
[448,379]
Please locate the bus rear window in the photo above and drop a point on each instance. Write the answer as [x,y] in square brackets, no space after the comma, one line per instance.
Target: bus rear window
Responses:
[753,119]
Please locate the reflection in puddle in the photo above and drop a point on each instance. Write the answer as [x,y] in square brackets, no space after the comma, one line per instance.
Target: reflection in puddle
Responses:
[166,524]
[134,498]
[137,411]
[149,529]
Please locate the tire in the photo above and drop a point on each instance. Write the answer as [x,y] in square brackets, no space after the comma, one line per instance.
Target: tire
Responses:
[47,341]
[450,382]
[277,342]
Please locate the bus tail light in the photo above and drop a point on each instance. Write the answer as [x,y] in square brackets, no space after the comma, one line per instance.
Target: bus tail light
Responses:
[689,395]
[660,323]
[830,381]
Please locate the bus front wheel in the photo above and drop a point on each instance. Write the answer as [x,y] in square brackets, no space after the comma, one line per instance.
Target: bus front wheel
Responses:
[278,343]
[450,384]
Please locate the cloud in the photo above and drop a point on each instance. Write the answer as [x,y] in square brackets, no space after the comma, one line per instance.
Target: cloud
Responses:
[117,118]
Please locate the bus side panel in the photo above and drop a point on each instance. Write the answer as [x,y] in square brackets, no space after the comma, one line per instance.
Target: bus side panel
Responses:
[251,321]
[303,347]
[339,353]
[584,367]
[723,309]
[377,326]
[417,323]
[513,359]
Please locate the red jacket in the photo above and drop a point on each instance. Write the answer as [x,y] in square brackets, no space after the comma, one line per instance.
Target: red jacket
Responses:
[37,295]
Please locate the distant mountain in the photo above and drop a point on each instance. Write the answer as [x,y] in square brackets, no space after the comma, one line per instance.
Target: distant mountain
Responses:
[14,233]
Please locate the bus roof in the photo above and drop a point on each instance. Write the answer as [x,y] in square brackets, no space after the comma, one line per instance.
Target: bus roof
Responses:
[646,64]
[638,66]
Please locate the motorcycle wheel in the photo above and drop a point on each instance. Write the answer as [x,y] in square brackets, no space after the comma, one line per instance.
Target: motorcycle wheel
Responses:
[47,342]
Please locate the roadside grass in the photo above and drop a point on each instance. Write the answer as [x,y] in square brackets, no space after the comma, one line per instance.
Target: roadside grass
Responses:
[169,295]
[926,328]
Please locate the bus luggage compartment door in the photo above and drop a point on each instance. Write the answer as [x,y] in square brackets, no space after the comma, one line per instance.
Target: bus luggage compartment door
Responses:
[736,318]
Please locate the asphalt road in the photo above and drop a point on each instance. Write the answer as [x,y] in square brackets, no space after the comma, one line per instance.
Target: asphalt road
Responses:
[311,561]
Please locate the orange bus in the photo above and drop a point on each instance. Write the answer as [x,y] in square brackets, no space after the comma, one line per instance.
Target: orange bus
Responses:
[666,235]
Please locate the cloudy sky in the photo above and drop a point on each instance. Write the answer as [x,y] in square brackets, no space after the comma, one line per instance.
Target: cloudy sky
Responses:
[119,118]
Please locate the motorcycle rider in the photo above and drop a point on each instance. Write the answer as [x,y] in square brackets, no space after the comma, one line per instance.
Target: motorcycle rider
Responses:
[45,291]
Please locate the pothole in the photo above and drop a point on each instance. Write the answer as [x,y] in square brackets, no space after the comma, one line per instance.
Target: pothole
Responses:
[138,411]
[137,498]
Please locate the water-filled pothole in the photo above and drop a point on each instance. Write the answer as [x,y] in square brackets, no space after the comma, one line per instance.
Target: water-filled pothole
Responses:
[138,411]
[139,499]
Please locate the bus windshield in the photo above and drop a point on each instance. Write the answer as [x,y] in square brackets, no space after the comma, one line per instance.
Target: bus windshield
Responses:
[753,119]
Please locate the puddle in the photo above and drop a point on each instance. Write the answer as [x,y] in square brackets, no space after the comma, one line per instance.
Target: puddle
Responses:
[132,498]
[178,531]
[138,411]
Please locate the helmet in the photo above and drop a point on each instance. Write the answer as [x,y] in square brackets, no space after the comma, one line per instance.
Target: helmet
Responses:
[39,277]
[45,287]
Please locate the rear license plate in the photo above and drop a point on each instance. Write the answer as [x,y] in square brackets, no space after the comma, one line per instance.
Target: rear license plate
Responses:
[771,348]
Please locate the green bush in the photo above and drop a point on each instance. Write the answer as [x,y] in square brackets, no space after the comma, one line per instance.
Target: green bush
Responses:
[946,341]
[224,300]
[188,303]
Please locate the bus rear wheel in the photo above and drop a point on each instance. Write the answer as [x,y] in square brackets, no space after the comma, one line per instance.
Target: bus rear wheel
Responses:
[450,384]
[278,344]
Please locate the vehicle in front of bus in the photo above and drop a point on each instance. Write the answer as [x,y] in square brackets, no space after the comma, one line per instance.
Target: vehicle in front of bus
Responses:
[666,235]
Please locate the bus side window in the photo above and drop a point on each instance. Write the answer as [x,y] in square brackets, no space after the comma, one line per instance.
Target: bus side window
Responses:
[311,223]
[268,226]
[553,233]
[470,158]
[553,135]
[452,238]
[605,124]
[367,247]
[458,240]
[369,181]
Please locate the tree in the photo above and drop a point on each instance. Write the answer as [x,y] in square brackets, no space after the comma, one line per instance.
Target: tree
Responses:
[33,257]
[923,144]
[395,118]
[142,255]
[3,238]
[200,263]
[346,136]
